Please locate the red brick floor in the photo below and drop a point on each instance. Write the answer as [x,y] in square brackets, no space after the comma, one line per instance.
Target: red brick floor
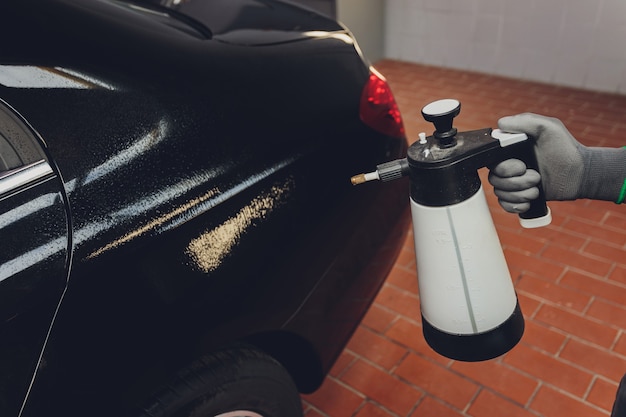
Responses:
[570,278]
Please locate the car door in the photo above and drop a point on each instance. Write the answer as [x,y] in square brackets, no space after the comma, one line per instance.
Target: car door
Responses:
[33,255]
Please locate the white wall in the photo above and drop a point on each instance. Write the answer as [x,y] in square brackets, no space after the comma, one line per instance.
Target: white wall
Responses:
[365,20]
[579,43]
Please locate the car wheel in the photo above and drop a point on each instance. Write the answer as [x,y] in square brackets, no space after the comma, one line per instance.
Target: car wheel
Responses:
[236,382]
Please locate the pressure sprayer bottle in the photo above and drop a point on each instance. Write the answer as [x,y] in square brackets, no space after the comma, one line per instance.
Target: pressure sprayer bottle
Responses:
[469,307]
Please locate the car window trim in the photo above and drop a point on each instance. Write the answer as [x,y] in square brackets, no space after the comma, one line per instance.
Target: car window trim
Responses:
[16,179]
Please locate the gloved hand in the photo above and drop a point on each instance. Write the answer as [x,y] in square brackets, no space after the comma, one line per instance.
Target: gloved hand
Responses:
[569,170]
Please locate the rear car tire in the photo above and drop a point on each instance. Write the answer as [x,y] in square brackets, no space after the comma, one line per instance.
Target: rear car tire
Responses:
[235,382]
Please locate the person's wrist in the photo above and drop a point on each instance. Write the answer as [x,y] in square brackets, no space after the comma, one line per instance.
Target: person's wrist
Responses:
[604,174]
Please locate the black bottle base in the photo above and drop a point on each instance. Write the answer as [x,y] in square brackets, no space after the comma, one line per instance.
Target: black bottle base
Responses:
[477,347]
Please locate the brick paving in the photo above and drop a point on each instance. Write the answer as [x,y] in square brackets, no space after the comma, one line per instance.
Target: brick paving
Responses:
[570,279]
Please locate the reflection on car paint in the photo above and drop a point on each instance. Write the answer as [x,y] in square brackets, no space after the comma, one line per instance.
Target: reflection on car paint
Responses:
[31,207]
[32,257]
[335,35]
[208,250]
[176,216]
[126,156]
[154,224]
[27,76]
[167,221]
[58,244]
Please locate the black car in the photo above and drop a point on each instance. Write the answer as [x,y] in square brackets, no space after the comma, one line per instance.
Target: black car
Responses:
[179,232]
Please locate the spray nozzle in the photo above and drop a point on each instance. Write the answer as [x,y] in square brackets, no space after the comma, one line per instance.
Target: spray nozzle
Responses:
[385,172]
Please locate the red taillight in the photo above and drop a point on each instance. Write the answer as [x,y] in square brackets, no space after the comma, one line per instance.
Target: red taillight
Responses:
[379,109]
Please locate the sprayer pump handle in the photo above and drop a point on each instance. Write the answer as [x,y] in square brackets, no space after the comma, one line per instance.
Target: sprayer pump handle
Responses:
[441,113]
[522,147]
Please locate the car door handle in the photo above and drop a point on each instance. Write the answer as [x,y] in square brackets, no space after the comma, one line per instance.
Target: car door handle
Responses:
[24,176]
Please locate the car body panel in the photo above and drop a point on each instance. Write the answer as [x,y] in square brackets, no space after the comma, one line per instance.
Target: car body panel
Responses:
[257,22]
[34,259]
[209,201]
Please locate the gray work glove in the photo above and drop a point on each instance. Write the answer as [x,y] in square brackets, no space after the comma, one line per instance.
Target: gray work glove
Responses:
[569,170]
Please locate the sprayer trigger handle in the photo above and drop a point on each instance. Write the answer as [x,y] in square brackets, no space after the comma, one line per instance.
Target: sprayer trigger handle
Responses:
[539,214]
[507,138]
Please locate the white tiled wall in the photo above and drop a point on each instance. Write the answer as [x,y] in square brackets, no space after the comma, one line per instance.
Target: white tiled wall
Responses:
[579,43]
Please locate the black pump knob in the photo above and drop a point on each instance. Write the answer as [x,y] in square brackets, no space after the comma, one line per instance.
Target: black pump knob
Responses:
[441,113]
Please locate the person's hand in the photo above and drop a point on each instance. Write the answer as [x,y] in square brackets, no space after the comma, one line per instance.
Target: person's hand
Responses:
[569,170]
[514,185]
[560,159]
